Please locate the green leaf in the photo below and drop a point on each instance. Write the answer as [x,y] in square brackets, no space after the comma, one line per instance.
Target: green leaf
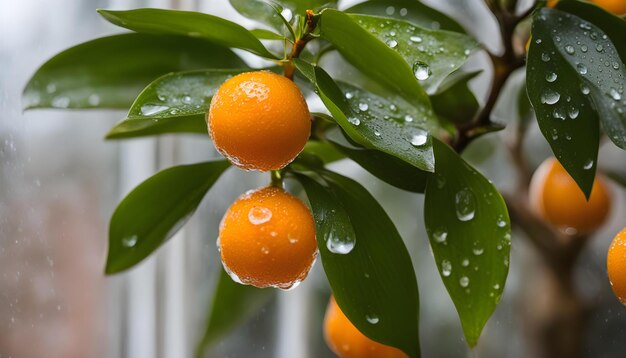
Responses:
[174,103]
[373,57]
[454,101]
[524,108]
[155,210]
[410,10]
[323,151]
[232,304]
[263,34]
[607,82]
[109,72]
[470,234]
[390,124]
[567,105]
[188,23]
[387,168]
[261,11]
[374,284]
[432,54]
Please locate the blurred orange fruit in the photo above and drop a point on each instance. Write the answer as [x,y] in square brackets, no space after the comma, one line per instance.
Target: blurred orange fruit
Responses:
[346,341]
[555,196]
[259,120]
[267,239]
[618,7]
[616,265]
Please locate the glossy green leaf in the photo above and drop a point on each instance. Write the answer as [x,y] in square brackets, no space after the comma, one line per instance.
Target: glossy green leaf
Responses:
[259,10]
[562,76]
[606,78]
[155,210]
[232,304]
[263,34]
[454,101]
[387,168]
[374,283]
[389,124]
[470,234]
[432,54]
[325,152]
[111,71]
[371,56]
[188,23]
[174,103]
[413,11]
[524,108]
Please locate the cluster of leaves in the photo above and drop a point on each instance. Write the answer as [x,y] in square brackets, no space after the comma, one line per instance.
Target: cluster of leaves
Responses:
[395,125]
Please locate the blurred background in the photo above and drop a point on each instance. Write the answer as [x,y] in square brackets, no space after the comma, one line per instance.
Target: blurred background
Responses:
[60,182]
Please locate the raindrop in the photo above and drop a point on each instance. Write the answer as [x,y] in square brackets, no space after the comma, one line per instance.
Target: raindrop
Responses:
[408,118]
[130,241]
[265,250]
[186,99]
[51,88]
[403,11]
[392,43]
[501,222]
[390,10]
[569,49]
[259,215]
[582,69]
[588,164]
[419,139]
[372,318]
[377,133]
[61,102]
[551,77]
[464,281]
[440,235]
[415,39]
[614,94]
[421,71]
[465,205]
[467,52]
[583,48]
[599,48]
[340,245]
[584,89]
[550,97]
[349,95]
[478,251]
[573,112]
[355,121]
[558,114]
[93,99]
[496,287]
[446,268]
[287,14]
[363,107]
[465,263]
[150,109]
[545,57]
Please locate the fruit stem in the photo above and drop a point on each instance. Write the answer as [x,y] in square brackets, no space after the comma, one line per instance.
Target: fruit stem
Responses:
[276,178]
[299,44]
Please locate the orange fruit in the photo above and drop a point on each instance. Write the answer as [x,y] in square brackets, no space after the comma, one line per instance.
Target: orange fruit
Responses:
[616,265]
[618,7]
[259,120]
[267,239]
[552,3]
[346,341]
[555,196]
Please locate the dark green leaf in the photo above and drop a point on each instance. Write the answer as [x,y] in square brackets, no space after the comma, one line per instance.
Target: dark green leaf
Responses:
[389,169]
[174,103]
[370,55]
[606,70]
[109,72]
[524,108]
[155,210]
[261,11]
[232,304]
[188,23]
[324,151]
[410,10]
[470,235]
[454,101]
[390,125]
[433,54]
[374,283]
[564,98]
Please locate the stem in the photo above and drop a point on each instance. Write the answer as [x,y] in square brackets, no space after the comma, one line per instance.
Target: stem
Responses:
[276,178]
[299,44]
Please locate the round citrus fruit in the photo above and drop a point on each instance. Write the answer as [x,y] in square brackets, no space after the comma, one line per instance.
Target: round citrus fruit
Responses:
[346,341]
[618,7]
[267,239]
[259,120]
[555,196]
[616,266]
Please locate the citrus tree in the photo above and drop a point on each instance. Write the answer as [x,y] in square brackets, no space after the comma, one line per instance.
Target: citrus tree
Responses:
[406,119]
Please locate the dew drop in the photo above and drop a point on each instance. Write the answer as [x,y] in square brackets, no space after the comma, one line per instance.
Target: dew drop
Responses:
[355,121]
[615,94]
[130,241]
[349,95]
[61,102]
[415,39]
[545,57]
[372,318]
[340,245]
[599,48]
[465,203]
[151,109]
[186,99]
[419,138]
[363,106]
[582,69]
[570,49]
[551,77]
[588,164]
[550,97]
[584,48]
[440,235]
[421,71]
[392,43]
[584,89]
[93,99]
[446,268]
[464,281]
[573,112]
[501,222]
[408,118]
[478,251]
[259,215]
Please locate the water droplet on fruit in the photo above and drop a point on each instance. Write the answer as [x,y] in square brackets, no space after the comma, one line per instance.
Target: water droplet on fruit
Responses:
[259,215]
